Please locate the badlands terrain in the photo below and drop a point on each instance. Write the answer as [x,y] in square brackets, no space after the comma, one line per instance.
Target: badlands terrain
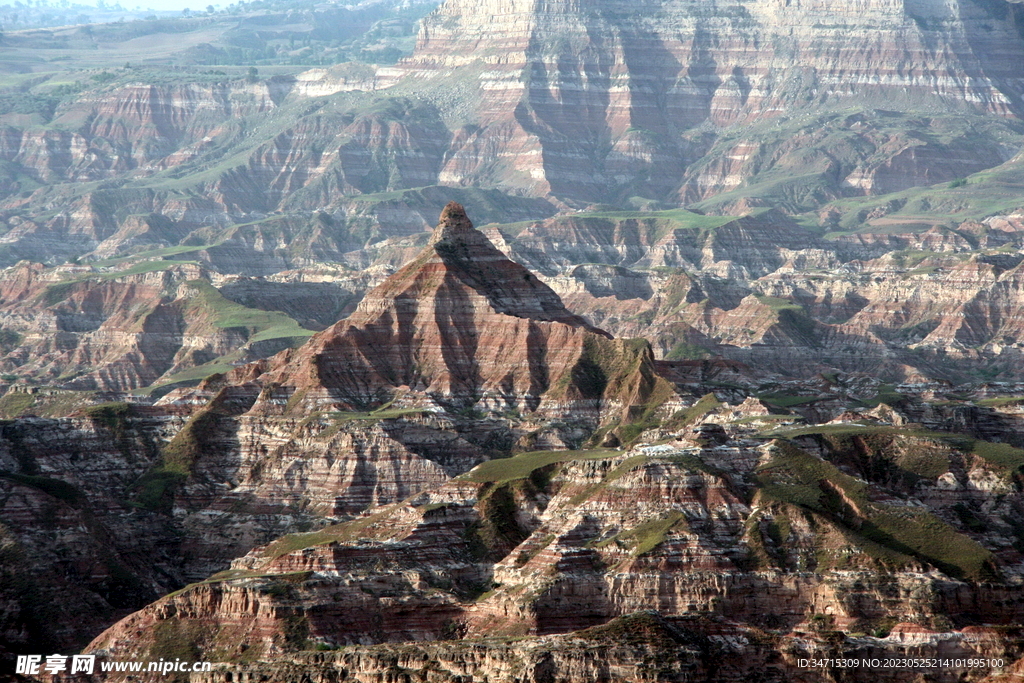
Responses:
[520,341]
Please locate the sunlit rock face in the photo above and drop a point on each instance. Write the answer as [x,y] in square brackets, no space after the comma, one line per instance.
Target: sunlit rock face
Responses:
[575,97]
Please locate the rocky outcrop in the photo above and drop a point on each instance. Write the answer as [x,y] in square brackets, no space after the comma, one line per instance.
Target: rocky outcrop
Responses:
[104,512]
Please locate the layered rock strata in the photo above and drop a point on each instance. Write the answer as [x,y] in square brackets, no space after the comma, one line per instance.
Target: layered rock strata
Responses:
[248,457]
[541,100]
[75,554]
[781,537]
[621,87]
[640,647]
[465,326]
[120,331]
[765,292]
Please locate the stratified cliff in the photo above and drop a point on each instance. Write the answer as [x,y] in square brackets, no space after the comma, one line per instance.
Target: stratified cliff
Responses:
[896,298]
[507,489]
[685,445]
[275,445]
[75,552]
[618,86]
[900,301]
[146,325]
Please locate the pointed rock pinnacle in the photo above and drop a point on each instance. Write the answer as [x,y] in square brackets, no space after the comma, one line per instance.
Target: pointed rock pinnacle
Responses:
[453,222]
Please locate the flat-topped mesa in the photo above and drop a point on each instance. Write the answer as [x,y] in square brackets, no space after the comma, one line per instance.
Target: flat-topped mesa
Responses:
[460,325]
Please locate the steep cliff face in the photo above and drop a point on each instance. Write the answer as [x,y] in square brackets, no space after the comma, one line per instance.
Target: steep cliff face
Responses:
[620,86]
[74,553]
[766,105]
[136,126]
[233,475]
[105,511]
[526,33]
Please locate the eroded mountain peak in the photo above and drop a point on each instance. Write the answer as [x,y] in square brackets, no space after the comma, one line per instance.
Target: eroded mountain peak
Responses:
[462,324]
[453,222]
